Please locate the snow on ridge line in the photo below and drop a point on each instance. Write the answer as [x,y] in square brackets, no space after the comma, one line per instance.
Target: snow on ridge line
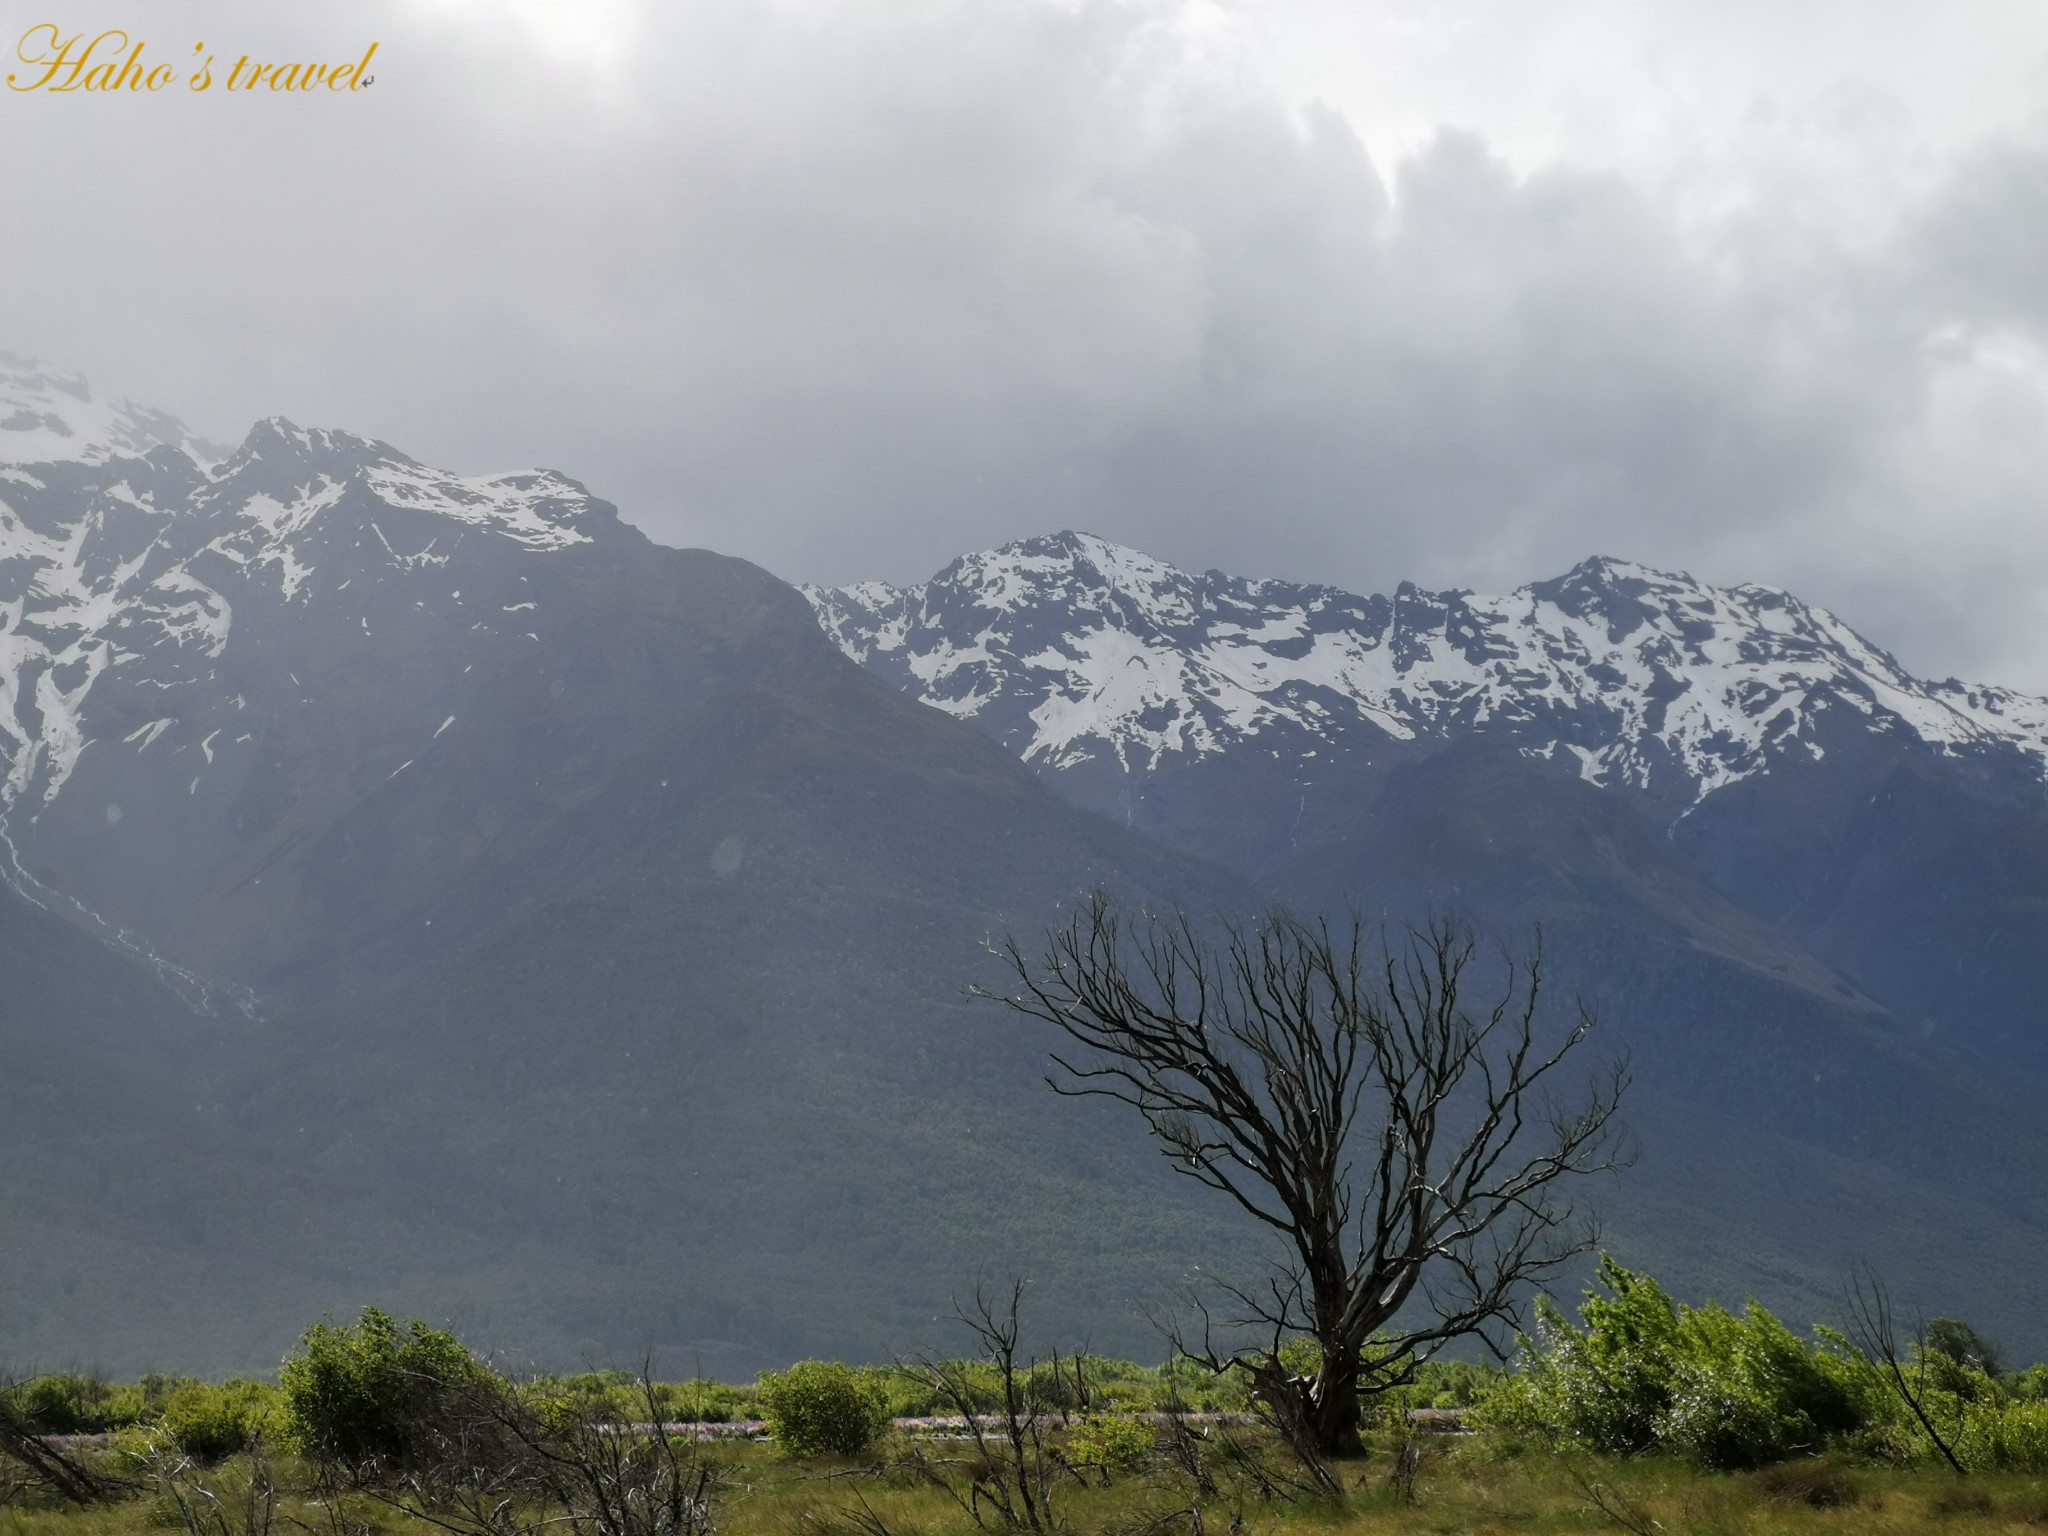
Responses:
[52,416]
[1070,648]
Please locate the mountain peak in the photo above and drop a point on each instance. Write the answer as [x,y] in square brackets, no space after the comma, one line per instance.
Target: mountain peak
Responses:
[276,436]
[281,465]
[1073,549]
[1612,570]
[120,587]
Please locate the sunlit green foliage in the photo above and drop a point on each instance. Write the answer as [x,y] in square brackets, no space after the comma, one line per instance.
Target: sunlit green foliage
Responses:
[71,1403]
[824,1408]
[368,1391]
[623,1396]
[1647,1373]
[211,1423]
[1111,1442]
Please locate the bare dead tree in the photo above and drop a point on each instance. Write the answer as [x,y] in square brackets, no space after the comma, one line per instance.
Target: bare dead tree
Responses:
[1016,1469]
[1905,1368]
[1398,1135]
[1072,1391]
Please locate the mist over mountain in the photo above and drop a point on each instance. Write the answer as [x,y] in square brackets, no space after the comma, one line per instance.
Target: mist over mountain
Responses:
[423,889]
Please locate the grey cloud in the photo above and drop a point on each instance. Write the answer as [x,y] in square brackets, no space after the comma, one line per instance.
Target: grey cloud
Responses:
[848,290]
[1981,243]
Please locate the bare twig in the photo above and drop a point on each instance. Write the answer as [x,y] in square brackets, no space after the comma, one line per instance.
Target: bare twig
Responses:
[1017,1470]
[1874,1330]
[215,1507]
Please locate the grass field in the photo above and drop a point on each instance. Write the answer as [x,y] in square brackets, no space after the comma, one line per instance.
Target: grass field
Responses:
[1458,1483]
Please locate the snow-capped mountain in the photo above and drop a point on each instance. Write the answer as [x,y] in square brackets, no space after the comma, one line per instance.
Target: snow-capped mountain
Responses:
[150,598]
[1079,653]
[135,567]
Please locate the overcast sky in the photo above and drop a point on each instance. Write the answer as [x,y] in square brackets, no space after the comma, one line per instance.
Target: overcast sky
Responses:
[1458,292]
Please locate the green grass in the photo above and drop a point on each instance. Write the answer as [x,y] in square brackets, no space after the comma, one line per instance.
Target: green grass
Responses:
[1471,1484]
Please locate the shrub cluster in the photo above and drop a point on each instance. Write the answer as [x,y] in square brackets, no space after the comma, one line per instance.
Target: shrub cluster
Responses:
[68,1403]
[1637,1372]
[1645,1373]
[209,1422]
[622,1396]
[376,1391]
[1113,1442]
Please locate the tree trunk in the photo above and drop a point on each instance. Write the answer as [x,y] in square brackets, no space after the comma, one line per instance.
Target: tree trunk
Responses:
[1332,1417]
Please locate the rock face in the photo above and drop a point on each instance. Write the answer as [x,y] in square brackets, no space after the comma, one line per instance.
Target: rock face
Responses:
[424,890]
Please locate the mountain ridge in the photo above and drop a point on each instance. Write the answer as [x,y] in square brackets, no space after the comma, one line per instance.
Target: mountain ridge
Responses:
[49,415]
[1643,680]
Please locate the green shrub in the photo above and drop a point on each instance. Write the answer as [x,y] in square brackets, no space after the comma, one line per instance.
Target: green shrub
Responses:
[2002,1434]
[375,1390]
[1954,1339]
[73,1404]
[213,1423]
[1647,1373]
[2030,1385]
[1113,1442]
[912,1396]
[1746,1391]
[820,1407]
[1607,1386]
